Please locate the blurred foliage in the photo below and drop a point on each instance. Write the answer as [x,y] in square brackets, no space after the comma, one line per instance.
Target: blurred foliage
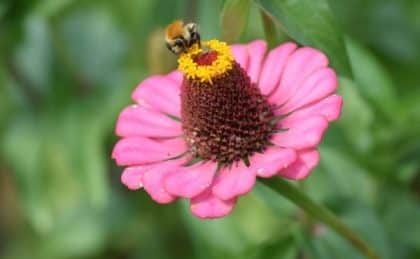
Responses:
[311,23]
[233,19]
[67,68]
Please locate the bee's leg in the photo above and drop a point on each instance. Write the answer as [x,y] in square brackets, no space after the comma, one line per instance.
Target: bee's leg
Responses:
[181,44]
[170,47]
[198,39]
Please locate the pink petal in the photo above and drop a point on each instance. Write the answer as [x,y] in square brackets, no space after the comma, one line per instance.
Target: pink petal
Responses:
[154,179]
[256,50]
[234,181]
[302,134]
[318,85]
[139,120]
[176,76]
[300,65]
[159,92]
[139,150]
[329,108]
[190,181]
[240,53]
[272,161]
[301,168]
[206,205]
[132,177]
[274,66]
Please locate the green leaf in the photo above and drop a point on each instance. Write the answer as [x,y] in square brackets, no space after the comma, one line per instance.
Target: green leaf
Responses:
[6,101]
[283,208]
[372,80]
[78,234]
[357,116]
[27,173]
[391,27]
[206,235]
[338,175]
[311,23]
[234,18]
[207,14]
[83,134]
[269,28]
[33,57]
[364,221]
[251,223]
[273,34]
[91,45]
[48,8]
[401,217]
[284,248]
[63,166]
[3,9]
[319,212]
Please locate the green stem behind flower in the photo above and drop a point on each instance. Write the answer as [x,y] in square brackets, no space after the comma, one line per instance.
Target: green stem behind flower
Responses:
[321,213]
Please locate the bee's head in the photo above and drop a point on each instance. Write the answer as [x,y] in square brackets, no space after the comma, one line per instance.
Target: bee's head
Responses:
[191,34]
[191,27]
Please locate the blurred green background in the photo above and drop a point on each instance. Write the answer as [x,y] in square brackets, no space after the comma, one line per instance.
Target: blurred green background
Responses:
[67,68]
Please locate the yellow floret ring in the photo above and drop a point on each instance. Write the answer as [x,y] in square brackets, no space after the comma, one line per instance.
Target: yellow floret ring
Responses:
[205,73]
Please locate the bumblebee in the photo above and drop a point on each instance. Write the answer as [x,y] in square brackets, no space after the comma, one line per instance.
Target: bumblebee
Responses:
[180,37]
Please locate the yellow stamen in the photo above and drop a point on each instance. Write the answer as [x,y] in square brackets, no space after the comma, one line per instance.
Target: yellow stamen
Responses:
[205,73]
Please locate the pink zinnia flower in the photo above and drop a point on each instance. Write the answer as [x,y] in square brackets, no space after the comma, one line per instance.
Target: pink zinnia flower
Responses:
[206,136]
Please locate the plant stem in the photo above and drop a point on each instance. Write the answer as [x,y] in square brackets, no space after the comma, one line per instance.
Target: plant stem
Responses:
[318,211]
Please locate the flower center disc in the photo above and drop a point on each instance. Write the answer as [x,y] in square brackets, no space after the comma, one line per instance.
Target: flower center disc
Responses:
[206,58]
[227,119]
